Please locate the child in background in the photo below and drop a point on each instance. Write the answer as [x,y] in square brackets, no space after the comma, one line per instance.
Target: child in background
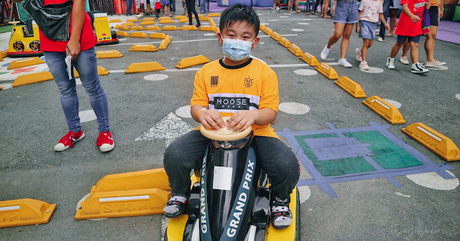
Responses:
[157,8]
[370,11]
[165,4]
[409,27]
[276,7]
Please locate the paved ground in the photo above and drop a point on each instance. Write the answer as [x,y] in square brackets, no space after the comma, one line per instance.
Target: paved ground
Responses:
[424,207]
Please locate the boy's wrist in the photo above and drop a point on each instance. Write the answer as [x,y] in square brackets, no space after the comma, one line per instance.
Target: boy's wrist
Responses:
[199,112]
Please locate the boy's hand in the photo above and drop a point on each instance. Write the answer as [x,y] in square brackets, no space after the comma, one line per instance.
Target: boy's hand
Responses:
[211,119]
[357,28]
[74,48]
[415,18]
[387,27]
[240,121]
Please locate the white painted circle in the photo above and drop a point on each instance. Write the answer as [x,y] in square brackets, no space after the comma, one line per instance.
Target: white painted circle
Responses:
[304,23]
[304,193]
[87,115]
[394,103]
[78,81]
[209,34]
[457,96]
[156,77]
[294,108]
[297,30]
[6,86]
[305,71]
[184,112]
[434,181]
[122,39]
[373,70]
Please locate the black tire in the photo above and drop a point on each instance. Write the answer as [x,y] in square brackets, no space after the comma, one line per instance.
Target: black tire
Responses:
[297,217]
[166,235]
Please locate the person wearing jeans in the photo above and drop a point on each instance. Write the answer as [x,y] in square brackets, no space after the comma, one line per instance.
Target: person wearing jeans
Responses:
[129,7]
[386,11]
[202,6]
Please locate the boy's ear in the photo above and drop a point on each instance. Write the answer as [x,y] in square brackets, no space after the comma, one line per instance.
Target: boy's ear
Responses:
[219,37]
[256,41]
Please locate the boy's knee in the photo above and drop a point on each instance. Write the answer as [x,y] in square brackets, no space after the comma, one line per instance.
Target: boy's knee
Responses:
[346,36]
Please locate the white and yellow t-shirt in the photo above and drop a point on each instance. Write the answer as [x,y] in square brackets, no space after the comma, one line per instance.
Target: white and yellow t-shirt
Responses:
[228,89]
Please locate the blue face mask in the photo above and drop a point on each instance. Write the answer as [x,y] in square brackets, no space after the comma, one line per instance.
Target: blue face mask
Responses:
[236,49]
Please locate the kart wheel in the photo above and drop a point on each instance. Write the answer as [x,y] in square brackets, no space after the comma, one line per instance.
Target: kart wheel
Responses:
[297,217]
[166,235]
[35,45]
[18,46]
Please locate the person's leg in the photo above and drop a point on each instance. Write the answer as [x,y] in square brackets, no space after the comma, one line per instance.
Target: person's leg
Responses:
[405,49]
[180,157]
[414,52]
[188,4]
[280,164]
[297,6]
[366,45]
[289,6]
[338,32]
[67,88]
[173,6]
[345,40]
[392,14]
[202,6]
[397,46]
[386,11]
[325,8]
[86,65]
[196,15]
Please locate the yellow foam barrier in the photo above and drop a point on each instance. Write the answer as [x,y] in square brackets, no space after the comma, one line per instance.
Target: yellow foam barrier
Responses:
[115,21]
[143,48]
[327,71]
[276,36]
[128,24]
[214,15]
[183,20]
[285,42]
[150,22]
[138,35]
[211,21]
[123,27]
[106,54]
[169,28]
[204,18]
[164,44]
[268,31]
[28,79]
[122,34]
[144,67]
[180,17]
[192,61]
[1,88]
[163,21]
[148,19]
[295,50]
[158,35]
[309,59]
[126,194]
[152,28]
[136,28]
[24,62]
[26,211]
[386,110]
[208,28]
[351,87]
[132,20]
[188,27]
[262,27]
[100,71]
[168,39]
[433,140]
[4,53]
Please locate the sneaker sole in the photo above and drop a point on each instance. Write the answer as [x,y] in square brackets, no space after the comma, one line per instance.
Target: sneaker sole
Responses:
[106,147]
[63,148]
[418,72]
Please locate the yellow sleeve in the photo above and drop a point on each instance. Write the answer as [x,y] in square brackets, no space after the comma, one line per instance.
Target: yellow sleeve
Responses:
[270,92]
[200,96]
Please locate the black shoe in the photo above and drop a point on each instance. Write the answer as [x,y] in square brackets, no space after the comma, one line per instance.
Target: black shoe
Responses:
[175,206]
[198,26]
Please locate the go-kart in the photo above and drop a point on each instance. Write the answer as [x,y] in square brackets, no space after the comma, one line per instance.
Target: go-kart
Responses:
[25,40]
[230,195]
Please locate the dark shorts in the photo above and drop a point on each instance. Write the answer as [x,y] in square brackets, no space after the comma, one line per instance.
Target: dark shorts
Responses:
[401,39]
[434,16]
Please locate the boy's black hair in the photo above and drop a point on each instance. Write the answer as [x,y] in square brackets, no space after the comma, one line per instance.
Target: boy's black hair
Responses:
[239,12]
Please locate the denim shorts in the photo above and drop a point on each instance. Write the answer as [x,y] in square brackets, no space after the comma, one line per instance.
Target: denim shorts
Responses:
[346,11]
[367,29]
[401,39]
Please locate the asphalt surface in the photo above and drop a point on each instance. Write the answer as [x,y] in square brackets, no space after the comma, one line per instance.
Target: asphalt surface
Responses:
[32,121]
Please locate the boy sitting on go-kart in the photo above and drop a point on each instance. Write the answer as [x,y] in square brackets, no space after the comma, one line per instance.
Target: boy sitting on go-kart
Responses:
[252,88]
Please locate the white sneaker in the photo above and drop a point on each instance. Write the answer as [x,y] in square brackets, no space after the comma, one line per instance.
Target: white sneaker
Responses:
[363,65]
[435,63]
[404,60]
[418,68]
[380,39]
[344,63]
[390,63]
[325,53]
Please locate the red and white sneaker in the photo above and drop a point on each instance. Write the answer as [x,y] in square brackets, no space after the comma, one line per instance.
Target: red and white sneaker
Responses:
[105,141]
[68,140]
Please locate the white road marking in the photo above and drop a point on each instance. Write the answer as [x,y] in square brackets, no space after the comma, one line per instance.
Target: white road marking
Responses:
[294,108]
[297,30]
[78,81]
[6,86]
[402,195]
[87,116]
[373,70]
[184,112]
[156,77]
[434,181]
[303,23]
[457,96]
[394,103]
[304,193]
[305,72]
[169,128]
